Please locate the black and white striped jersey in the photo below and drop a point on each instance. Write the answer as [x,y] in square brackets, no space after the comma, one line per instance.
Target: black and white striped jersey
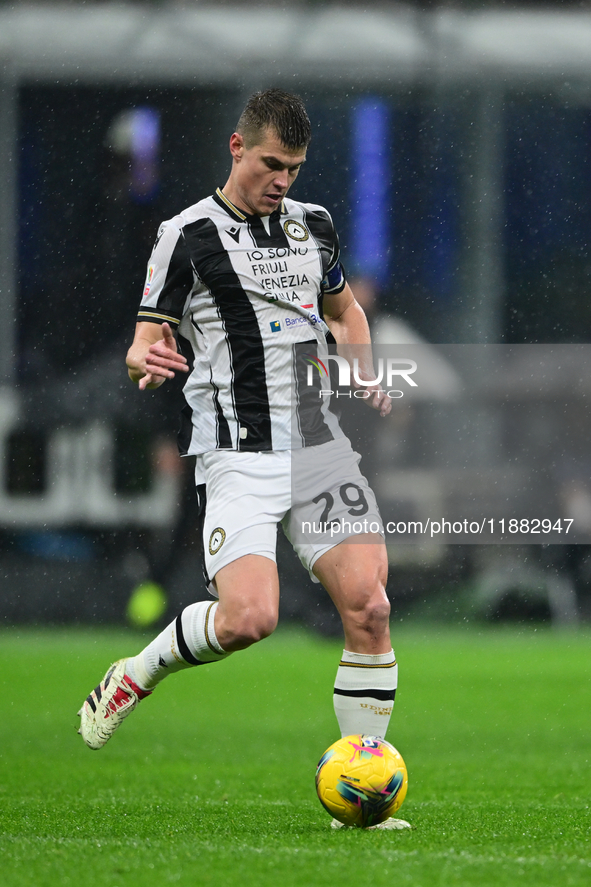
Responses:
[244,292]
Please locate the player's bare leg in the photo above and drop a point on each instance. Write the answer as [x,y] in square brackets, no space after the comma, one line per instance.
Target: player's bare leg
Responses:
[246,613]
[354,574]
[248,610]
[204,632]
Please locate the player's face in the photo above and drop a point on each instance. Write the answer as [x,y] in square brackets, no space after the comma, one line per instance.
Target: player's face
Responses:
[263,174]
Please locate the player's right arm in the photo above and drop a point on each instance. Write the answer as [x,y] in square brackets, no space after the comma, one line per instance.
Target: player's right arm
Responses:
[153,357]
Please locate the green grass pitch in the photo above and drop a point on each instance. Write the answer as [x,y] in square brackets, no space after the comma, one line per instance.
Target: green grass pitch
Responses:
[211,781]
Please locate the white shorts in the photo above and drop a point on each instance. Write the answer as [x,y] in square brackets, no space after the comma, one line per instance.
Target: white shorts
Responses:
[318,494]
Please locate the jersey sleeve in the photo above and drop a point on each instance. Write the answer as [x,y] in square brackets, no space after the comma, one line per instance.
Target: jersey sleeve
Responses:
[335,280]
[169,278]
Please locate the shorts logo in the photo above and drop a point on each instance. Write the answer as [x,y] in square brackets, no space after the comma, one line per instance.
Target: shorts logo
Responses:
[295,230]
[216,540]
[275,326]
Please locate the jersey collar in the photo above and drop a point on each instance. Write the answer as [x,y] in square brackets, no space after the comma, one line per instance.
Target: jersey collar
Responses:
[226,204]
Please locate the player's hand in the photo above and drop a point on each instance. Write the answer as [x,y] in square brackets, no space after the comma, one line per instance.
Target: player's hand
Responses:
[163,361]
[378,399]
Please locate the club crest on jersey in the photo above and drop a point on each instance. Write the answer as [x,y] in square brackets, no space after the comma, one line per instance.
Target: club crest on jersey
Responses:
[216,540]
[295,230]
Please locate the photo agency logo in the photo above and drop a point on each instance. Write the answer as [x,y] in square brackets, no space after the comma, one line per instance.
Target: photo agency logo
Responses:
[390,371]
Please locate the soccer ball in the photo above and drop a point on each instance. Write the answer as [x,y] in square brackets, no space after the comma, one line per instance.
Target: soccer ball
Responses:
[361,780]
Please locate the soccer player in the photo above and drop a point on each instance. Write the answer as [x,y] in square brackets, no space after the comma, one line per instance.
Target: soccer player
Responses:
[244,278]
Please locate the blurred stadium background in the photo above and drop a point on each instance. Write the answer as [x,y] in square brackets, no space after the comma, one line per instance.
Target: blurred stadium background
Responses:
[452,144]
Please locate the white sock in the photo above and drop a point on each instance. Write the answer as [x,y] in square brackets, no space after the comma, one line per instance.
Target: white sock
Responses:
[189,640]
[364,692]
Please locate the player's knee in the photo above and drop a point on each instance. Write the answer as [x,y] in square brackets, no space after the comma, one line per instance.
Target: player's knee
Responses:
[250,628]
[261,627]
[377,611]
[368,612]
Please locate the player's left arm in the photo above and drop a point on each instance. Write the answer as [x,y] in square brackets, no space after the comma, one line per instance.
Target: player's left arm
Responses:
[347,322]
